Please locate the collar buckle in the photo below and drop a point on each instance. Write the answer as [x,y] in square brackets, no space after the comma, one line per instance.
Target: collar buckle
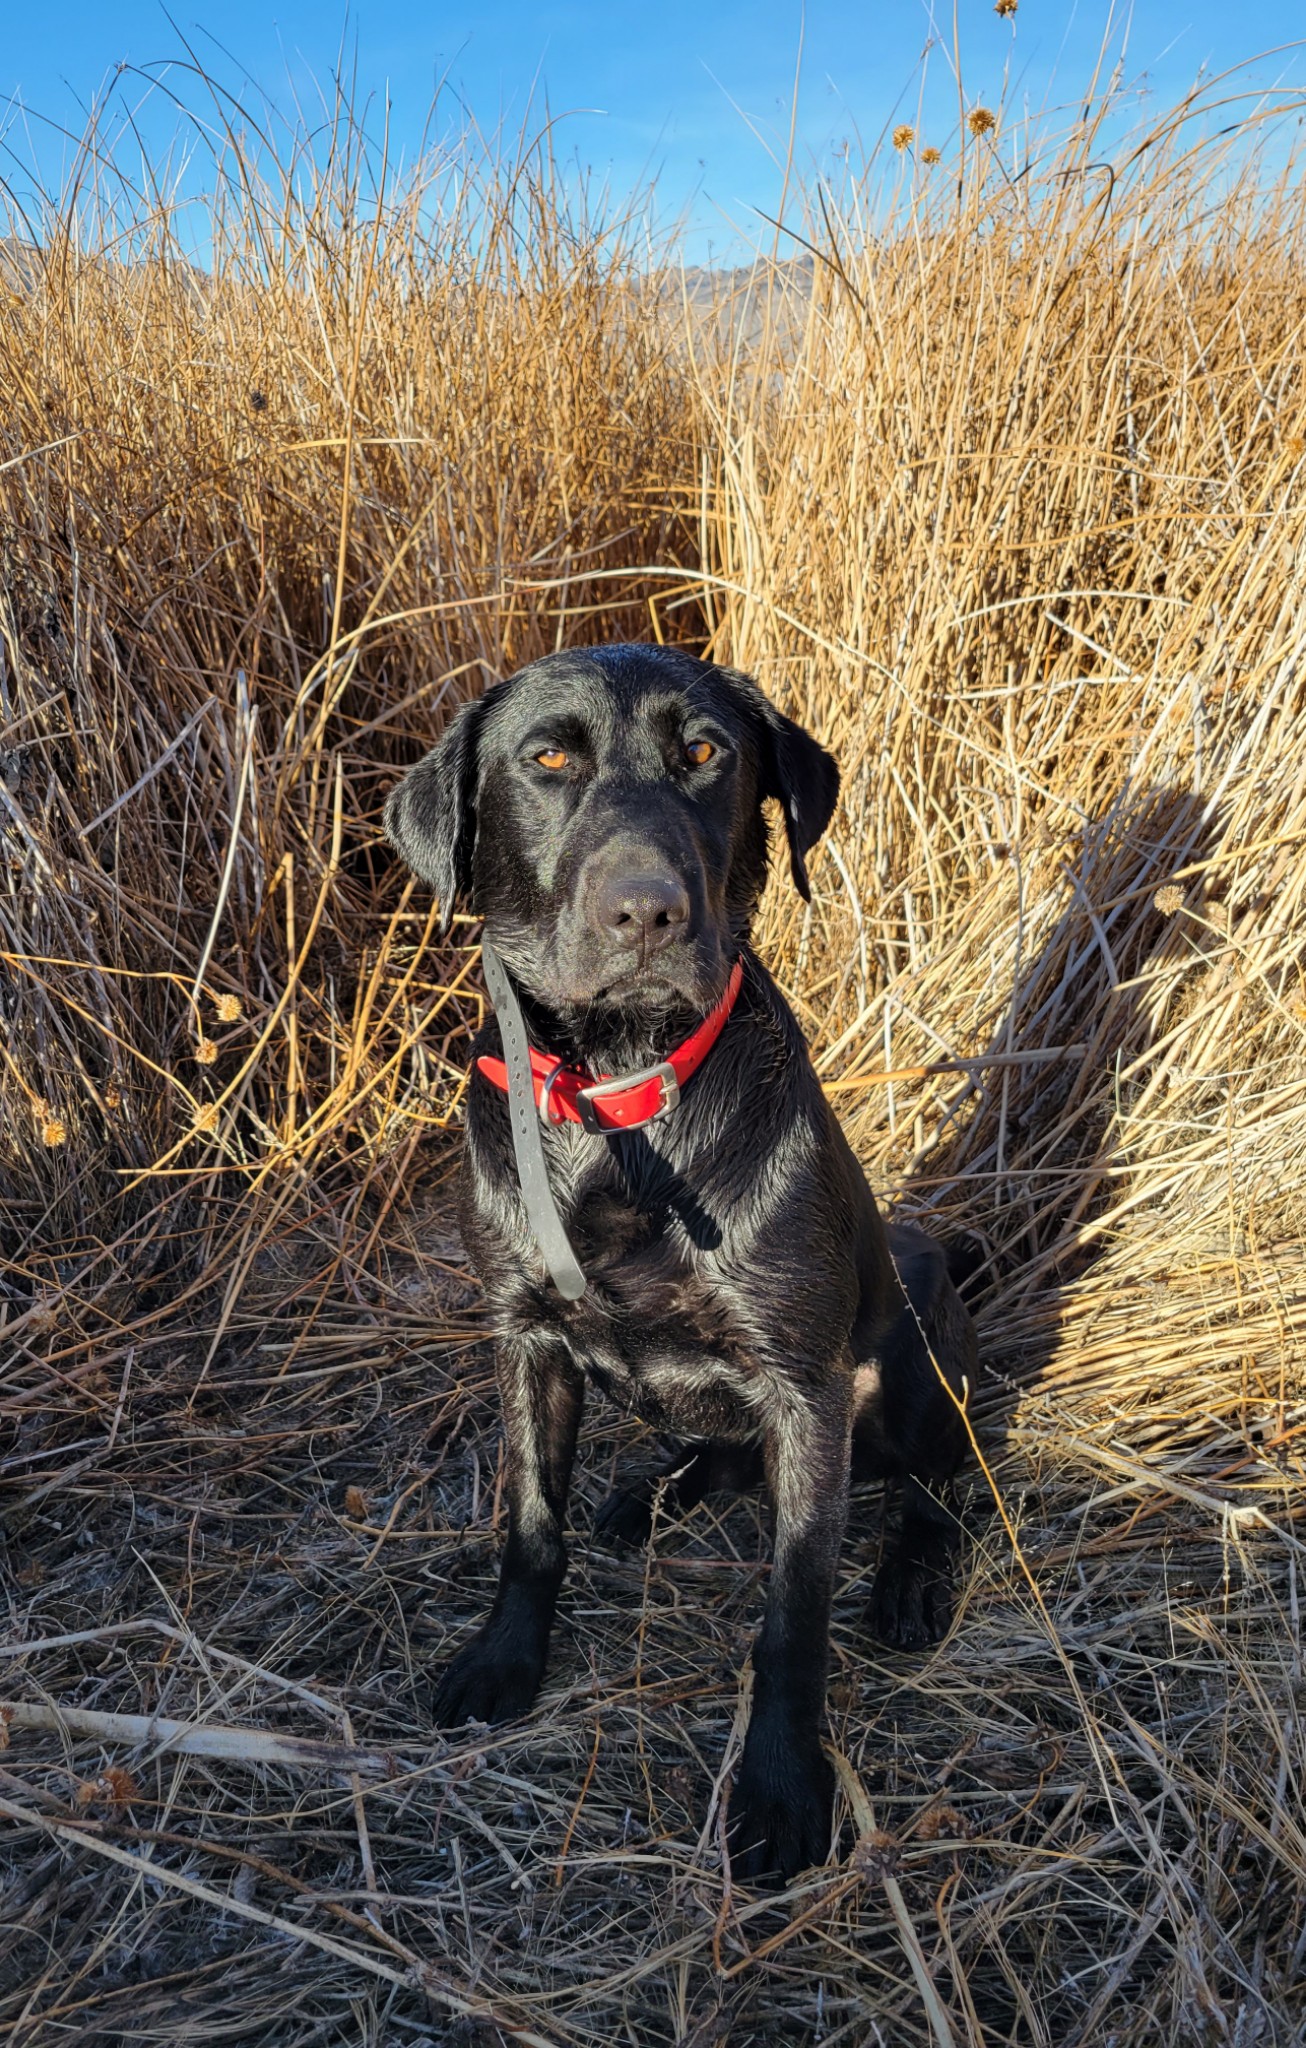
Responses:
[586,1098]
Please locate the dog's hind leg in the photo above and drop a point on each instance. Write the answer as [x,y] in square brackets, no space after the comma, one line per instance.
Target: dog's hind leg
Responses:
[907,1426]
[686,1477]
[911,1600]
[497,1675]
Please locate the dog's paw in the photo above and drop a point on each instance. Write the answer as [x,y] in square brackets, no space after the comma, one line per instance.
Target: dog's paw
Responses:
[626,1516]
[911,1603]
[779,1817]
[489,1680]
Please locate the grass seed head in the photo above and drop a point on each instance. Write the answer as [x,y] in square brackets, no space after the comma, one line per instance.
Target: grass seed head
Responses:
[981,120]
[113,1787]
[903,136]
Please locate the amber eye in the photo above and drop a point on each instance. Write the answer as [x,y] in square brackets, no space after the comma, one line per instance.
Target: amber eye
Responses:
[551,757]
[699,751]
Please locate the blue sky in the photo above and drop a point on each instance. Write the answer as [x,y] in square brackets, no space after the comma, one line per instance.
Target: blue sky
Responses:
[696,91]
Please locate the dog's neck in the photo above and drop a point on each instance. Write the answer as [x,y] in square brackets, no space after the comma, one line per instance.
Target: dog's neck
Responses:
[610,1039]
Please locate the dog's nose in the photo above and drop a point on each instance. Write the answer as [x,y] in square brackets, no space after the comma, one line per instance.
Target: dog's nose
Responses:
[642,910]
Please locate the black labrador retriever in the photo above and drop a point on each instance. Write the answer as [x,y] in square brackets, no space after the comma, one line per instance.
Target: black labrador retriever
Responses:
[602,811]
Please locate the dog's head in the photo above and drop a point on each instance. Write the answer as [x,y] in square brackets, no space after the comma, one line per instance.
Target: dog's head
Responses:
[602,811]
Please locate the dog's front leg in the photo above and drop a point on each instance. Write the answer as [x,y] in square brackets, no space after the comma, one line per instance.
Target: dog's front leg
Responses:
[781,1803]
[497,1675]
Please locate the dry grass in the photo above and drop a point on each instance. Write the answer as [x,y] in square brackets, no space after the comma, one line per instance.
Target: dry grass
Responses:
[1004,495]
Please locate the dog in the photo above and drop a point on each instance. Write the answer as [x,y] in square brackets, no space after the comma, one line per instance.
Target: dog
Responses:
[602,812]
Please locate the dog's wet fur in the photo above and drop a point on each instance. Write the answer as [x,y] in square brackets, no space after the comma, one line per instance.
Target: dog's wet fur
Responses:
[745,1295]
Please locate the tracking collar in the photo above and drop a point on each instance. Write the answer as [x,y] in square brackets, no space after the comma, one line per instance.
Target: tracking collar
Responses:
[543,1088]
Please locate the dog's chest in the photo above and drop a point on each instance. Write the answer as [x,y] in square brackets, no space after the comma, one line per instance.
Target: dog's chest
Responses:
[660,1328]
[678,1314]
[670,1375]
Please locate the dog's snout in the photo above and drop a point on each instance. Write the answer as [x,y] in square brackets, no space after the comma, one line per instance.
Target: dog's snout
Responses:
[644,910]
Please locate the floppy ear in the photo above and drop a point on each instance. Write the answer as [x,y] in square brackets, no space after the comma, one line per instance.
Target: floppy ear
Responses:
[807,784]
[798,772]
[430,819]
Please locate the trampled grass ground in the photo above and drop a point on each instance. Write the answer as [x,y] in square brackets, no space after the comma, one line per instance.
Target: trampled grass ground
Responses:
[1001,490]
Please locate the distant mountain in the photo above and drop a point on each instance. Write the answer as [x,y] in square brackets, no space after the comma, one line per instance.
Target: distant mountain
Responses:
[20,263]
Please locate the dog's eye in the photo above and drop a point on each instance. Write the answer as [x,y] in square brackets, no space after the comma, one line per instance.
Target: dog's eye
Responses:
[699,751]
[551,757]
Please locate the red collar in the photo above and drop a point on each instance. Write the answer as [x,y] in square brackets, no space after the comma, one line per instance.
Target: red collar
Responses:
[624,1103]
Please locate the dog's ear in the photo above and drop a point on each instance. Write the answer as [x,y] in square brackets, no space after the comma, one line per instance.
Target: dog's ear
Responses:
[797,771]
[430,819]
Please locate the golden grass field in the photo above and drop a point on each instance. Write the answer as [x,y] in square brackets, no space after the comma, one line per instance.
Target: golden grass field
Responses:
[998,481]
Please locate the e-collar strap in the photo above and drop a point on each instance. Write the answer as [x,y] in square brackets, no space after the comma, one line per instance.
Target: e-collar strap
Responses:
[527,1144]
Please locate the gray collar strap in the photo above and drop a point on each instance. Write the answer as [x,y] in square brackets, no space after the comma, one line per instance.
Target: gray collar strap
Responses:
[528,1146]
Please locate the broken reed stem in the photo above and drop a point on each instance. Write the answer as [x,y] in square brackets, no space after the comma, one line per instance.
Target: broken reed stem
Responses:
[872,1846]
[254,1746]
[981,1062]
